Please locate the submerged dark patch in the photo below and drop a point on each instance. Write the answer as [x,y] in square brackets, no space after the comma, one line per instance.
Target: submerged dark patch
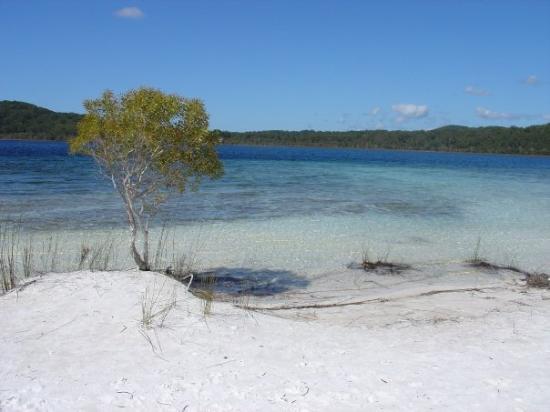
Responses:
[247,281]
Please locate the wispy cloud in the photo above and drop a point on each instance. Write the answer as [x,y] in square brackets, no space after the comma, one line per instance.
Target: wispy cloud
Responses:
[476,91]
[374,111]
[546,117]
[407,111]
[492,115]
[130,13]
[532,80]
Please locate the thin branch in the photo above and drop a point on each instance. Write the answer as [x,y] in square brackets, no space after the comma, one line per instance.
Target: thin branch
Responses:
[361,302]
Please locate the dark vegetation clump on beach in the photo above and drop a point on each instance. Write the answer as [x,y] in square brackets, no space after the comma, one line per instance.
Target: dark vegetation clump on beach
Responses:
[532,279]
[479,262]
[381,265]
[538,280]
[493,267]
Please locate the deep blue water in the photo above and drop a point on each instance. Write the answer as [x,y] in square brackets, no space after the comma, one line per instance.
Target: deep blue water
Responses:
[54,150]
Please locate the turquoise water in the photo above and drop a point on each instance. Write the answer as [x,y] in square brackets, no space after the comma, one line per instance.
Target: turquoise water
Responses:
[306,210]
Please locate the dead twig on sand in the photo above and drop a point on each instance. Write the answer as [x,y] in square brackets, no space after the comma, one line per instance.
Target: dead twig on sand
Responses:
[22,287]
[42,334]
[363,302]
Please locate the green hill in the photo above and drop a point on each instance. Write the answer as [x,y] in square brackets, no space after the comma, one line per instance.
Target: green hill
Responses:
[19,120]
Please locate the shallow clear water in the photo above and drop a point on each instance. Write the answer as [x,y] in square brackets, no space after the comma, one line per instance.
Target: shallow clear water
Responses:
[306,210]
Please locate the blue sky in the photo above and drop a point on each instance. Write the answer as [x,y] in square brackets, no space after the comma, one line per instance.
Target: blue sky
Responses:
[290,64]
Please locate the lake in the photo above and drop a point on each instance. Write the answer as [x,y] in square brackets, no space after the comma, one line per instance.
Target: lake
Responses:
[306,210]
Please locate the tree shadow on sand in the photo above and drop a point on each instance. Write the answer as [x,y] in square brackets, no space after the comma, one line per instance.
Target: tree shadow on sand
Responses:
[248,281]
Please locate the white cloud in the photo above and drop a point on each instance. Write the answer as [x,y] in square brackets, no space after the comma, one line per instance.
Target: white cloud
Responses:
[130,13]
[374,111]
[492,115]
[532,80]
[409,111]
[476,91]
[489,114]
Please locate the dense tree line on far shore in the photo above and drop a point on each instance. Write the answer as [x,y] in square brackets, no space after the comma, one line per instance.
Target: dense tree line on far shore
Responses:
[518,140]
[19,120]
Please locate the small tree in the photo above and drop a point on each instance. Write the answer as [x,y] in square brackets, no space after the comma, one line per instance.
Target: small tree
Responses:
[150,145]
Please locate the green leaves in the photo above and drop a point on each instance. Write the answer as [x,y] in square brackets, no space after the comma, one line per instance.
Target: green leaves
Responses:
[164,137]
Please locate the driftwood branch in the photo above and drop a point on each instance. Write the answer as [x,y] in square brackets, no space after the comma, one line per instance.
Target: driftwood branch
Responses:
[360,302]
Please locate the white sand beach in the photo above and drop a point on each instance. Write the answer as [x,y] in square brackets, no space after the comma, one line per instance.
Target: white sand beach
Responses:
[466,341]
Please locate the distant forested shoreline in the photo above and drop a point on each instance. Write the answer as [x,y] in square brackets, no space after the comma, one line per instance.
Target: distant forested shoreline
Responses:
[512,140]
[20,120]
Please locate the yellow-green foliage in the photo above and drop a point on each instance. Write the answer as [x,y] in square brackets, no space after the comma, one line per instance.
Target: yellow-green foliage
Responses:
[145,128]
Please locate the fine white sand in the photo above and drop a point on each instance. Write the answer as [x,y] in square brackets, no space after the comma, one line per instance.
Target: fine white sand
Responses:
[465,341]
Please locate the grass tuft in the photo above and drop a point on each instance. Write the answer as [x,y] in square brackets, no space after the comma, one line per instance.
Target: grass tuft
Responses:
[101,255]
[49,254]
[85,251]
[9,243]
[155,309]
[537,280]
[381,264]
[205,292]
[28,258]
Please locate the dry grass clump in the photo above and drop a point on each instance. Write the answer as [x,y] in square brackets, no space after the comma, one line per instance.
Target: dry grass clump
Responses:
[18,253]
[9,243]
[168,260]
[101,255]
[28,258]
[205,292]
[476,260]
[537,280]
[49,254]
[382,264]
[242,299]
[23,255]
[154,308]
[532,279]
[181,269]
[85,251]
[479,262]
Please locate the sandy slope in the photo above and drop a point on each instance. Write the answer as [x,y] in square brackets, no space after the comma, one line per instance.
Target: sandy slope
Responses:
[74,342]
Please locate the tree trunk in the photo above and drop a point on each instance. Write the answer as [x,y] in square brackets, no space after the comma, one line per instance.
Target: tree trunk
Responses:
[145,234]
[136,226]
[142,262]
